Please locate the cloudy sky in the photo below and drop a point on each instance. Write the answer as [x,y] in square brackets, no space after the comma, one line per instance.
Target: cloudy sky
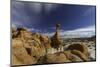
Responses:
[75,20]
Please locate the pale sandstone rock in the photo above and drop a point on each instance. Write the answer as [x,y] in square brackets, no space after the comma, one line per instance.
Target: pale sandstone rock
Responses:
[21,54]
[15,61]
[72,57]
[34,48]
[80,54]
[56,58]
[82,48]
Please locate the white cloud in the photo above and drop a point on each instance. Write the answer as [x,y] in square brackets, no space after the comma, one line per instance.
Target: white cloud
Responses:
[17,24]
[33,29]
[80,32]
[21,25]
[12,25]
[48,34]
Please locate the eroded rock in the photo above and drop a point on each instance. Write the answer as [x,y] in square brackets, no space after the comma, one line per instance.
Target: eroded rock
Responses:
[34,48]
[56,58]
[72,57]
[79,47]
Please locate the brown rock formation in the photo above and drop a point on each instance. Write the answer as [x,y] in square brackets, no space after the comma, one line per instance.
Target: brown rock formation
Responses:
[27,46]
[56,58]
[72,57]
[46,42]
[15,61]
[55,39]
[21,54]
[82,48]
[80,54]
[33,48]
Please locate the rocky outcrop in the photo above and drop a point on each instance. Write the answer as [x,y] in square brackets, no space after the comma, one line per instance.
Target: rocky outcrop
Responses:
[72,57]
[27,46]
[80,54]
[46,42]
[34,48]
[15,61]
[20,53]
[80,47]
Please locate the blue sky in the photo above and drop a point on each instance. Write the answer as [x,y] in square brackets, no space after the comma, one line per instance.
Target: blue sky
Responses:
[75,20]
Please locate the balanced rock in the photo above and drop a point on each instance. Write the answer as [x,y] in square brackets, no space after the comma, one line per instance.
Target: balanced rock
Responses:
[56,41]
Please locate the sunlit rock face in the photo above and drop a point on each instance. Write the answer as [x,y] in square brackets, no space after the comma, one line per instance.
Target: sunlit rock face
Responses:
[80,47]
[27,46]
[58,57]
[35,48]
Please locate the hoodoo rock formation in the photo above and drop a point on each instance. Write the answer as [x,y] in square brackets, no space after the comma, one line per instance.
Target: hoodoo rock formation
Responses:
[56,42]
